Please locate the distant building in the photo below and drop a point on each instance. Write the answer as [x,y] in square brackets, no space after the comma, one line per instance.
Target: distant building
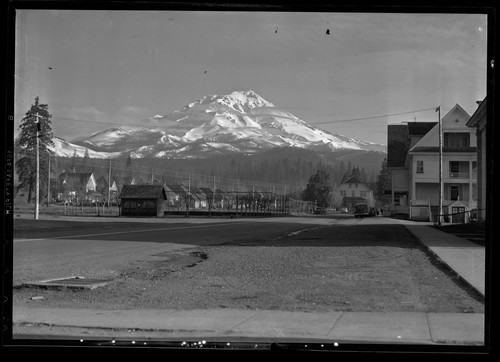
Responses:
[352,191]
[75,182]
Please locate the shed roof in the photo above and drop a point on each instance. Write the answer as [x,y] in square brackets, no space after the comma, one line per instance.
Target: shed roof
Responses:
[143,192]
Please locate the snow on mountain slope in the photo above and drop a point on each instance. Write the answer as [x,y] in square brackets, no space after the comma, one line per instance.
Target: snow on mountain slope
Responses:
[241,121]
[63,148]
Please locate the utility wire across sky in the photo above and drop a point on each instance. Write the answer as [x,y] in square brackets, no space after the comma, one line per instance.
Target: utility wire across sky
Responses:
[316,123]
[373,117]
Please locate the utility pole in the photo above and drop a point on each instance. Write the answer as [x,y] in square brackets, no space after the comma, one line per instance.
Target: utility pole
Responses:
[48,186]
[109,183]
[37,181]
[438,109]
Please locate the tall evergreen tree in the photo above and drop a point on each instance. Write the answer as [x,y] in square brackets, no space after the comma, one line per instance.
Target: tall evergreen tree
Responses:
[27,142]
[383,184]
[318,189]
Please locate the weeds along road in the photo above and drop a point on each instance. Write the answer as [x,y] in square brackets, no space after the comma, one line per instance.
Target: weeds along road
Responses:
[320,263]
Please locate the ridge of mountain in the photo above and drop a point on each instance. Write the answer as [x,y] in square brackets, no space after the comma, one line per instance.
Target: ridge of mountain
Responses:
[238,122]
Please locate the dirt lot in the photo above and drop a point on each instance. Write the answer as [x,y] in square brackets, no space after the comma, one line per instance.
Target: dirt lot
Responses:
[337,268]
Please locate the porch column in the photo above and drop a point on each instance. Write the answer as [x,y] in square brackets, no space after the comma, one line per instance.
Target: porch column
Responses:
[470,183]
[392,191]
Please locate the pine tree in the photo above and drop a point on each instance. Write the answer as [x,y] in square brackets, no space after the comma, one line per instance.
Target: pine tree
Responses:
[318,189]
[74,162]
[26,143]
[383,184]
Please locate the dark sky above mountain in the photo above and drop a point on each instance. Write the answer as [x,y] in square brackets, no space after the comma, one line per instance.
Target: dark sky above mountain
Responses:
[124,67]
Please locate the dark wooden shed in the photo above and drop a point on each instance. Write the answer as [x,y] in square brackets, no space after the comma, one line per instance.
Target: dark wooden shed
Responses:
[143,200]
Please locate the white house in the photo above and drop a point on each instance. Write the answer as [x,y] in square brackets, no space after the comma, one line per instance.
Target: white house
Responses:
[352,191]
[414,167]
[78,181]
[478,121]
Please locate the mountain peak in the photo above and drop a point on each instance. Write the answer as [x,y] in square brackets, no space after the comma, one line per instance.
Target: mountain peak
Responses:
[243,101]
[241,121]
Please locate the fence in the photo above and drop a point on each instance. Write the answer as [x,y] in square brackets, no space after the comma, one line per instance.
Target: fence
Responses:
[458,217]
[227,202]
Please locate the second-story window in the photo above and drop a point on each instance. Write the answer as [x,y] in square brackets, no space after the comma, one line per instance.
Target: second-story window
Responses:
[420,166]
[456,139]
[454,168]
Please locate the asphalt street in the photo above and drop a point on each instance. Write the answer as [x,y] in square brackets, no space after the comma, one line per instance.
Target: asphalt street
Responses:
[47,248]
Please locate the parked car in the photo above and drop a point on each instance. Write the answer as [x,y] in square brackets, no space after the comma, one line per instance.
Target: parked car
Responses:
[320,210]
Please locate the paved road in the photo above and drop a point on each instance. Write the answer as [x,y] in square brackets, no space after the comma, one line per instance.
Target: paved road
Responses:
[45,249]
[54,247]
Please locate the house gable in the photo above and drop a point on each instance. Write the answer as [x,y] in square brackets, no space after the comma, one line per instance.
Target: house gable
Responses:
[455,121]
[78,180]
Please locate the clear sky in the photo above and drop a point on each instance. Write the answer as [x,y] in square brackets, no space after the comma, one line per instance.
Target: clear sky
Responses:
[127,66]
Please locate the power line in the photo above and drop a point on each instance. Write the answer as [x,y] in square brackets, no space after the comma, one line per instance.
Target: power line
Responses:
[373,117]
[274,115]
[110,123]
[182,175]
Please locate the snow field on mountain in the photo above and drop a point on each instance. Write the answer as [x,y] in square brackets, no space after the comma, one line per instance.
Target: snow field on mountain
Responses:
[241,122]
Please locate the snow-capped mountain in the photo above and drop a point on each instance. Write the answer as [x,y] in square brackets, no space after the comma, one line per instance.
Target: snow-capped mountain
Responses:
[239,122]
[63,148]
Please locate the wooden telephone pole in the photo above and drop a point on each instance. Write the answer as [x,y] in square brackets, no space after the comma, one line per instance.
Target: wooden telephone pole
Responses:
[37,181]
[440,211]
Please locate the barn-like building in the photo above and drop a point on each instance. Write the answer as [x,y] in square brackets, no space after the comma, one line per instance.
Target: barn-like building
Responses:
[143,200]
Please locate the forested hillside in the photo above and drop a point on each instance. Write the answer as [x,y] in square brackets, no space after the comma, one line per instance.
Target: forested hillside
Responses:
[287,166]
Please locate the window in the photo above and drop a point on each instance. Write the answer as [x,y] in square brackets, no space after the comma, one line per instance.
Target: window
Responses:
[420,166]
[356,185]
[453,168]
[458,139]
[353,193]
[454,192]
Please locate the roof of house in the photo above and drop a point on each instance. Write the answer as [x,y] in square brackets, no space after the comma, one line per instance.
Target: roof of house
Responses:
[206,190]
[177,189]
[352,180]
[478,115]
[143,192]
[126,180]
[102,181]
[81,177]
[419,128]
[198,192]
[397,145]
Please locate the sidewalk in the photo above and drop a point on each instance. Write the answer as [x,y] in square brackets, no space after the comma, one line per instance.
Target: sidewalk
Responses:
[467,259]
[268,325]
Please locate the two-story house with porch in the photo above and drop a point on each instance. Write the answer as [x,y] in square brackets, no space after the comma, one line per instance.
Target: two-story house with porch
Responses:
[415,175]
[478,122]
[352,191]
